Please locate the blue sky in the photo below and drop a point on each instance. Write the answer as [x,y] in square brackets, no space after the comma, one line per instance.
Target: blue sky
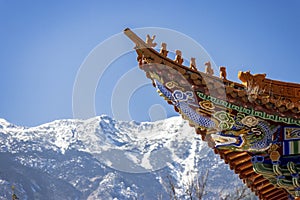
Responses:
[44,43]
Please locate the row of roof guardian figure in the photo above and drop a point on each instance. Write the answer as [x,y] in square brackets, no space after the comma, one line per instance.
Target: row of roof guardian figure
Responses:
[178,58]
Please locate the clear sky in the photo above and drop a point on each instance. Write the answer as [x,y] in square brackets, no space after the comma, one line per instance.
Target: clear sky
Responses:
[44,43]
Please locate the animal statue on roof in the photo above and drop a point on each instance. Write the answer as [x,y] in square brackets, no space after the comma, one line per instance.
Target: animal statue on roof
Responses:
[223,74]
[193,64]
[251,80]
[208,68]
[149,40]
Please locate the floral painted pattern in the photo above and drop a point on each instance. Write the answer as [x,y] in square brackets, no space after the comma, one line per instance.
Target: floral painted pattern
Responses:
[207,105]
[226,121]
[250,121]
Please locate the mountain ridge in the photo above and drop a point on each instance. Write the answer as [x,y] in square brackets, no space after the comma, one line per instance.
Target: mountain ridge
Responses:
[102,158]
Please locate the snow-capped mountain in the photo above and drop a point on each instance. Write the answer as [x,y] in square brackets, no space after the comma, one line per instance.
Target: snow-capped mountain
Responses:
[102,158]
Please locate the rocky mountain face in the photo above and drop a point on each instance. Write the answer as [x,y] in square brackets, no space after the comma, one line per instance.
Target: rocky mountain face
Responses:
[102,158]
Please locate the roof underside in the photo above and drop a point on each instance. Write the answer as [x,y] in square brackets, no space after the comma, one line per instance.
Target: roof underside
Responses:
[240,163]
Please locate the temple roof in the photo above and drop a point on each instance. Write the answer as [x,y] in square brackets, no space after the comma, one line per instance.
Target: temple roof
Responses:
[253,125]
[271,96]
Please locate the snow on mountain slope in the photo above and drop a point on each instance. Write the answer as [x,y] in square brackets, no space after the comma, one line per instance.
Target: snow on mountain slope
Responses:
[102,158]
